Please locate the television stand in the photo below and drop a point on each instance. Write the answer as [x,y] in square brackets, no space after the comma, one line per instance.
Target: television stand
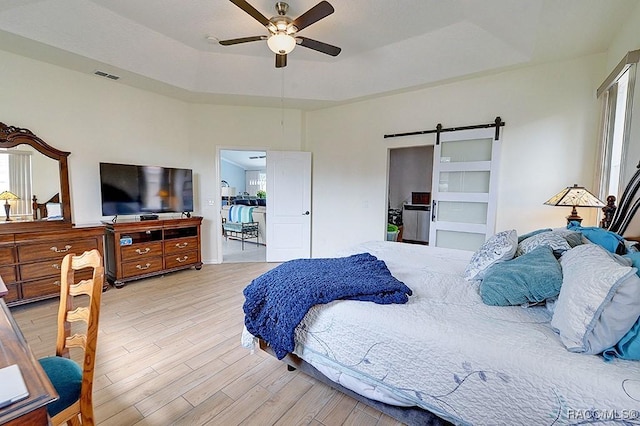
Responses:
[136,249]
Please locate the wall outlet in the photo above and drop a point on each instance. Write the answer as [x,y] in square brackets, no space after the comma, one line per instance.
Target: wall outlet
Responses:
[211,202]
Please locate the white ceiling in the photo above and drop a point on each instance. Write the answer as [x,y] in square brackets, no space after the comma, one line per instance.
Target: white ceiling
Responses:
[387,46]
[248,160]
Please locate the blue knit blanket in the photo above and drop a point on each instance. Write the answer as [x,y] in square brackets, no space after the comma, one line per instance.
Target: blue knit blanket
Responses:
[276,301]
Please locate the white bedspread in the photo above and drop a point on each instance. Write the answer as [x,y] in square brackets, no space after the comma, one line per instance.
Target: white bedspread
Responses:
[465,361]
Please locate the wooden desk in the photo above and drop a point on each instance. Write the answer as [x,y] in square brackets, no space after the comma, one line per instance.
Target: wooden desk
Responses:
[15,350]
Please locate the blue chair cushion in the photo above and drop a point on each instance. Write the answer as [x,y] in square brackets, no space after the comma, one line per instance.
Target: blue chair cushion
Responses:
[66,376]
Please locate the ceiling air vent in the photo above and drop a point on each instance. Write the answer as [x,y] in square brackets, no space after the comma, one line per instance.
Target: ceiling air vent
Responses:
[106,75]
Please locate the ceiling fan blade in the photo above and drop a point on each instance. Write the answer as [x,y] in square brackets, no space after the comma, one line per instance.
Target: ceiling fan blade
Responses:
[313,15]
[319,46]
[281,61]
[251,11]
[241,40]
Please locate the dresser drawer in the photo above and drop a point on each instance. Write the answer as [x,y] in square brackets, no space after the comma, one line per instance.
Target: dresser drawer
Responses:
[180,245]
[51,285]
[44,287]
[141,250]
[7,255]
[142,266]
[54,249]
[46,268]
[8,274]
[181,259]
[13,294]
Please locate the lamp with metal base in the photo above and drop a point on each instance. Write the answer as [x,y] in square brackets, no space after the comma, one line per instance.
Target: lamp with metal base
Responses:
[6,196]
[574,196]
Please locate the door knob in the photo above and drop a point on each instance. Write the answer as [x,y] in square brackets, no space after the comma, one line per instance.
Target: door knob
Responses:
[306,213]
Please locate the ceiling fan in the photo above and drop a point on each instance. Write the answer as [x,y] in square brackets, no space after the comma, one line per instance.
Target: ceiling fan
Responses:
[283,38]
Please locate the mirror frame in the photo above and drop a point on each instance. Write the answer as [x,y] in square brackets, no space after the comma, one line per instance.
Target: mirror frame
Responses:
[11,136]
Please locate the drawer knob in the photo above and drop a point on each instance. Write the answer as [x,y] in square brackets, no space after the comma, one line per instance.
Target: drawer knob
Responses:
[56,266]
[57,283]
[145,251]
[181,245]
[57,250]
[143,267]
[182,259]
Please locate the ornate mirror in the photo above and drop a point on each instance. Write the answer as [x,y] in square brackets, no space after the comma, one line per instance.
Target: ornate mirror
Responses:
[33,175]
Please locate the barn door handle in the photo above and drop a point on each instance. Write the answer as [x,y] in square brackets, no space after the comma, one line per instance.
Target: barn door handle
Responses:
[306,213]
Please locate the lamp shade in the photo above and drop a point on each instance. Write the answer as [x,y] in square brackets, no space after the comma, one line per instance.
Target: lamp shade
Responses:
[575,196]
[228,191]
[8,195]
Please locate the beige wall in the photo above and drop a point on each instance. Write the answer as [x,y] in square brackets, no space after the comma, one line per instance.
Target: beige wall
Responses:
[213,128]
[99,120]
[549,142]
[95,119]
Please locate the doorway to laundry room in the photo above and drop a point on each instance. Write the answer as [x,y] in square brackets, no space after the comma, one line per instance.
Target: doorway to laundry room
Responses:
[409,197]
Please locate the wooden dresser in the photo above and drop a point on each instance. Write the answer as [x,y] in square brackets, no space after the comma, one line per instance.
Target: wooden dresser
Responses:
[139,249]
[32,244]
[30,260]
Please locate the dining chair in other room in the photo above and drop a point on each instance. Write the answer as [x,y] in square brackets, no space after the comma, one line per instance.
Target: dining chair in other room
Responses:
[74,382]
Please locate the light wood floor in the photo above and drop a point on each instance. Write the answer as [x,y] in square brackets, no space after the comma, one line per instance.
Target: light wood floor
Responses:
[169,353]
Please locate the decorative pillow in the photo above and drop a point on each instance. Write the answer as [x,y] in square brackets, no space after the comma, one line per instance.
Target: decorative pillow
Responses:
[500,247]
[532,233]
[628,347]
[632,246]
[634,257]
[611,241]
[574,238]
[552,239]
[530,278]
[599,300]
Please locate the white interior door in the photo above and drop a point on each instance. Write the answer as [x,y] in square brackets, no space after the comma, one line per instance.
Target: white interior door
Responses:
[465,178]
[288,205]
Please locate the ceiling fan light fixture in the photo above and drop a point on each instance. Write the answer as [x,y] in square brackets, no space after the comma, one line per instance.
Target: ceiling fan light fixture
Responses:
[281,43]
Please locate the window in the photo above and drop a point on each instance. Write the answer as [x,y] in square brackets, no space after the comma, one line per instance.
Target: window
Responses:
[617,93]
[255,181]
[15,176]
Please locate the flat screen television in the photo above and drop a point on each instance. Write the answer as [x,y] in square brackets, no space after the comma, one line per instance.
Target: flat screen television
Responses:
[128,189]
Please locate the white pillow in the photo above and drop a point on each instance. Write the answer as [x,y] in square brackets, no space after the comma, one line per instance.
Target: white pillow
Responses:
[599,300]
[553,239]
[499,248]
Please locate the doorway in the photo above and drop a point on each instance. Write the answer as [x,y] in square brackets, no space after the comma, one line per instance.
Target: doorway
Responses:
[243,177]
[410,177]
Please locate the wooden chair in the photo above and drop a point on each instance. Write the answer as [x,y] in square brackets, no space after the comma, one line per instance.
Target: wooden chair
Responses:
[74,382]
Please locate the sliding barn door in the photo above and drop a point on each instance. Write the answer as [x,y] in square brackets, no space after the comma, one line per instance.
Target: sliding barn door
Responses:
[465,178]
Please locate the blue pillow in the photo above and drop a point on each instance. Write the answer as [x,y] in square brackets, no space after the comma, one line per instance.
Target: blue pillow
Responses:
[635,259]
[530,278]
[628,347]
[608,240]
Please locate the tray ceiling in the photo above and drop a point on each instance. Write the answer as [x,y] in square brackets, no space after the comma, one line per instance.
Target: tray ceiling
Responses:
[387,46]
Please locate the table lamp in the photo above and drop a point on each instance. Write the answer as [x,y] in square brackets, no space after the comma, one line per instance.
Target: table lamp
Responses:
[228,191]
[6,196]
[574,196]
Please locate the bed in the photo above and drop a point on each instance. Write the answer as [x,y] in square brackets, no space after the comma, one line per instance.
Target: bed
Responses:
[448,356]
